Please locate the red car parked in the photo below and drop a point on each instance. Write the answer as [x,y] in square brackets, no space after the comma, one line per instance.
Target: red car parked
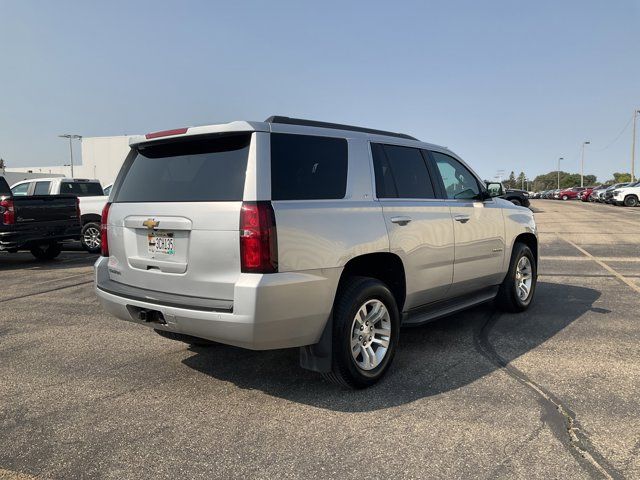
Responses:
[584,196]
[570,193]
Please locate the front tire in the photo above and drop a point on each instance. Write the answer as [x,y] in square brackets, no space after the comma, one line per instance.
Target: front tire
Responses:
[519,286]
[47,251]
[565,198]
[366,327]
[517,203]
[90,237]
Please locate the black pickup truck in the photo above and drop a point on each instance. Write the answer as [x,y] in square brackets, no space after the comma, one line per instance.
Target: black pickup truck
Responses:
[38,223]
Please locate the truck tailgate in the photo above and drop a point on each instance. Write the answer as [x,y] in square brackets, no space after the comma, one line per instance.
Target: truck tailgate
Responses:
[45,208]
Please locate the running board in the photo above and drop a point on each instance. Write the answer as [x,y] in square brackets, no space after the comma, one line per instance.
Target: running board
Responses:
[436,310]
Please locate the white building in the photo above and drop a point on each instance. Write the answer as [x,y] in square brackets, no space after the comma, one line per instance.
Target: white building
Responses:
[101,158]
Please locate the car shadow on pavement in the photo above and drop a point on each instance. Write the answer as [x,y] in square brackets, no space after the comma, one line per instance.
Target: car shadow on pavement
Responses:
[24,260]
[432,359]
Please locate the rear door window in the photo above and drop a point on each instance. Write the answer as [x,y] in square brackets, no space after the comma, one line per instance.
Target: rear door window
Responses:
[42,188]
[197,169]
[20,190]
[401,172]
[305,167]
[82,189]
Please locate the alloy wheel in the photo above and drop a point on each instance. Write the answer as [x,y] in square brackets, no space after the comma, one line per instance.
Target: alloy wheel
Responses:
[370,334]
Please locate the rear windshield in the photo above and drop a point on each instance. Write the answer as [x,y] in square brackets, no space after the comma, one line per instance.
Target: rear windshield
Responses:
[210,169]
[81,189]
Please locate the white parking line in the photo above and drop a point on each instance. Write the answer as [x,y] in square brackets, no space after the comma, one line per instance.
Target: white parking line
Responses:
[602,264]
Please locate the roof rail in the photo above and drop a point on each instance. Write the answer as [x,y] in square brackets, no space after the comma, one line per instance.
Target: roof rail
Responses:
[336,126]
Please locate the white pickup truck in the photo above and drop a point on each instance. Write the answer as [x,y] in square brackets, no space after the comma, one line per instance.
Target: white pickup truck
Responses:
[92,200]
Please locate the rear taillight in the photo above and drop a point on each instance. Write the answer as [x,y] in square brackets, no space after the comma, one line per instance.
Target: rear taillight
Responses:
[104,239]
[258,239]
[7,212]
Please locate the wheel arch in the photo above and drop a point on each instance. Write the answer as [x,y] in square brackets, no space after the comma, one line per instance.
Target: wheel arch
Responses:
[90,218]
[384,266]
[530,240]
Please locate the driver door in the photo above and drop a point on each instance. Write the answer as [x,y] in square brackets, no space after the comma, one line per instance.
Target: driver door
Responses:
[478,227]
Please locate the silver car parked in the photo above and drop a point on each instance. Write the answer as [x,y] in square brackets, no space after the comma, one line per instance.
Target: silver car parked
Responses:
[296,233]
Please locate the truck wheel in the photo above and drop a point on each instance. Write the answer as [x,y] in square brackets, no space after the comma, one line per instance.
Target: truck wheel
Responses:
[181,337]
[47,251]
[517,289]
[631,201]
[517,203]
[366,326]
[90,237]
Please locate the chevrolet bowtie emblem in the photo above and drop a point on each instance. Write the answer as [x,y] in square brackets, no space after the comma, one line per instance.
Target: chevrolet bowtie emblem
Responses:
[151,223]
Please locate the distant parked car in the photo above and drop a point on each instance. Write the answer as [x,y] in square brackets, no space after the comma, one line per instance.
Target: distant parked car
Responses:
[92,201]
[570,193]
[38,223]
[607,195]
[585,196]
[628,196]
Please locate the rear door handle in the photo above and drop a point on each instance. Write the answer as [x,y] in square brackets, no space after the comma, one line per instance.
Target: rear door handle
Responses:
[462,218]
[401,220]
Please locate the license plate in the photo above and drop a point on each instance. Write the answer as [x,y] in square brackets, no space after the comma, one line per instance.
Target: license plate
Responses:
[161,242]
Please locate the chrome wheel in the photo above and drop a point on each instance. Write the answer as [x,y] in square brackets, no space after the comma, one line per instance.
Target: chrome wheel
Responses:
[370,334]
[524,278]
[91,238]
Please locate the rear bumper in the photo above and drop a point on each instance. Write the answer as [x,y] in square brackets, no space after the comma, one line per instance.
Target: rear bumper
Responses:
[24,236]
[271,311]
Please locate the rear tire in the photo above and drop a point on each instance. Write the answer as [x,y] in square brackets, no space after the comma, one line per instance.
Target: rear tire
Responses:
[366,326]
[47,251]
[517,203]
[511,296]
[631,201]
[90,237]
[564,197]
[181,337]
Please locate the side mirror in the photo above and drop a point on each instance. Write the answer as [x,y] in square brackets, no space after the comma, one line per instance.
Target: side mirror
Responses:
[495,189]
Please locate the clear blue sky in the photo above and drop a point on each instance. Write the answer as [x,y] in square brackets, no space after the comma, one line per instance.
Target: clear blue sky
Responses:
[506,84]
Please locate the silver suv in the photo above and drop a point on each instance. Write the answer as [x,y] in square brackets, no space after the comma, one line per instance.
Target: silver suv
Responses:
[296,233]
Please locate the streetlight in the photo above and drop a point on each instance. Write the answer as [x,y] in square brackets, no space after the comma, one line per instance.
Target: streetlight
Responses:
[633,146]
[559,160]
[71,137]
[582,163]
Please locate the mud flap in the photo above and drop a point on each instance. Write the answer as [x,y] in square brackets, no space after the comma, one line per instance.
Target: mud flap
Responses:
[318,357]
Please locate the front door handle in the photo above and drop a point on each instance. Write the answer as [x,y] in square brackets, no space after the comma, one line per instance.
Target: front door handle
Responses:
[401,220]
[462,218]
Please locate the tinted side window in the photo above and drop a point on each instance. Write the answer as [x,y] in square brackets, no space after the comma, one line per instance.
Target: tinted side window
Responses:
[401,172]
[42,188]
[305,167]
[459,182]
[81,189]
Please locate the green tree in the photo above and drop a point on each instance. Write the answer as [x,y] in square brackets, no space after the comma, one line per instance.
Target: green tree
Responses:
[521,181]
[621,177]
[511,181]
[549,180]
[2,164]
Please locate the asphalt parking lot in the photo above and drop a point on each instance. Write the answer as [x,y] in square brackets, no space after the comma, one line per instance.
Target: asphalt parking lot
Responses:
[551,393]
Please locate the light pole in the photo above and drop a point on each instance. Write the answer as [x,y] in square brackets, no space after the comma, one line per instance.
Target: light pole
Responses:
[71,137]
[559,160]
[582,163]
[633,146]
